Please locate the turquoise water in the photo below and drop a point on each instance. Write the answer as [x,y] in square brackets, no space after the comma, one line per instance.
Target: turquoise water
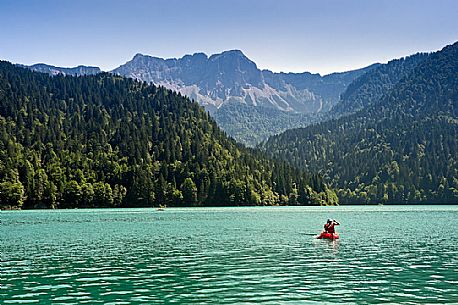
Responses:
[400,254]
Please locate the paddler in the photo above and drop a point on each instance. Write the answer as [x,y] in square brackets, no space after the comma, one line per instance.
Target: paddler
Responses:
[329,226]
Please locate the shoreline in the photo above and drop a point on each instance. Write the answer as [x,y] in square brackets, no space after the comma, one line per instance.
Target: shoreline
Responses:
[229,206]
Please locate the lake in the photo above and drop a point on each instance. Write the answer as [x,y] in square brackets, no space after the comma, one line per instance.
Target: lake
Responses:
[268,255]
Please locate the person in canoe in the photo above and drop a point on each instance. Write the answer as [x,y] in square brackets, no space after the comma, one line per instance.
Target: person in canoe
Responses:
[329,230]
[329,226]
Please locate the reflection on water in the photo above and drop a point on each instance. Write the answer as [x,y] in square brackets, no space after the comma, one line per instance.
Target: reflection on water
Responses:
[330,246]
[229,256]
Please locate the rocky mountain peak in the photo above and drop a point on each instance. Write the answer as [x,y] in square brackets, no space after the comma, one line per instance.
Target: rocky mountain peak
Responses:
[231,76]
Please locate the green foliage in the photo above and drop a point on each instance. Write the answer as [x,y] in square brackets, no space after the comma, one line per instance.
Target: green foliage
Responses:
[251,125]
[108,141]
[371,86]
[189,189]
[11,194]
[401,148]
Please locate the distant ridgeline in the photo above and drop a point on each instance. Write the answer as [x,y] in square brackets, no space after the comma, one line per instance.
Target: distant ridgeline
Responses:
[248,103]
[75,71]
[108,141]
[396,140]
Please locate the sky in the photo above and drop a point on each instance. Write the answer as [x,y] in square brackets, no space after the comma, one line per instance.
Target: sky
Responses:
[320,36]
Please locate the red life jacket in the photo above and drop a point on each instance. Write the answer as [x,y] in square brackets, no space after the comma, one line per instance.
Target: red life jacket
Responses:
[329,227]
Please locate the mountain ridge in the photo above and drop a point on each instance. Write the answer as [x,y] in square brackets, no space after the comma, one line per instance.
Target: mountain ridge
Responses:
[231,76]
[370,87]
[74,71]
[399,148]
[231,79]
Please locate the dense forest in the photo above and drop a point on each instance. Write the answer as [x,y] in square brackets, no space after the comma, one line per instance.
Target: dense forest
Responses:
[401,148]
[371,86]
[108,141]
[251,125]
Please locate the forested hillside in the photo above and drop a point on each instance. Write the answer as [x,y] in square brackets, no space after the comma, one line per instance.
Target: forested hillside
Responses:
[372,85]
[251,125]
[107,141]
[403,148]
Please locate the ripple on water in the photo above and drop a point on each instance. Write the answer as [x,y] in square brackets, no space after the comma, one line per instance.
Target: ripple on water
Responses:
[227,256]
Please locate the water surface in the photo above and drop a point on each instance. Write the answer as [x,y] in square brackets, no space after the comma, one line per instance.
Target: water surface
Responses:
[390,254]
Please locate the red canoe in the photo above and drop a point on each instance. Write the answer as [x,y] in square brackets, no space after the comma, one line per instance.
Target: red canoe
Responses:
[325,235]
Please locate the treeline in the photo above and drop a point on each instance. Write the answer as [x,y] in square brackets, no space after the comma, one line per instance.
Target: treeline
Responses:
[400,149]
[107,141]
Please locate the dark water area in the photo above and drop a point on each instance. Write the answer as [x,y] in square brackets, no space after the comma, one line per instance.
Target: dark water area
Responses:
[243,255]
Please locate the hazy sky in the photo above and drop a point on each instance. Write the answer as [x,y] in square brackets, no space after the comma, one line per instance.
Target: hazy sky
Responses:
[281,35]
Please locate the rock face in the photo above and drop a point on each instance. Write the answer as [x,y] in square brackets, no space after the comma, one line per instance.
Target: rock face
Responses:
[231,77]
[76,71]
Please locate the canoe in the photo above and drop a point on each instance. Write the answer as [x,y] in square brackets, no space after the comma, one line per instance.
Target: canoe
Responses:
[325,235]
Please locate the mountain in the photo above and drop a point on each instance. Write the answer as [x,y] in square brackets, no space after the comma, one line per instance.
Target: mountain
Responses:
[328,87]
[107,141]
[76,71]
[232,78]
[398,148]
[372,85]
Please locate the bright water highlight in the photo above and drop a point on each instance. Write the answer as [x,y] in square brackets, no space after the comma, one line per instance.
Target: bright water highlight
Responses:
[268,255]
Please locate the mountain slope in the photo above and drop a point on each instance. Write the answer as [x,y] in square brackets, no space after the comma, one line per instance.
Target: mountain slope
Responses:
[371,86]
[328,87]
[401,148]
[251,125]
[232,78]
[107,141]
